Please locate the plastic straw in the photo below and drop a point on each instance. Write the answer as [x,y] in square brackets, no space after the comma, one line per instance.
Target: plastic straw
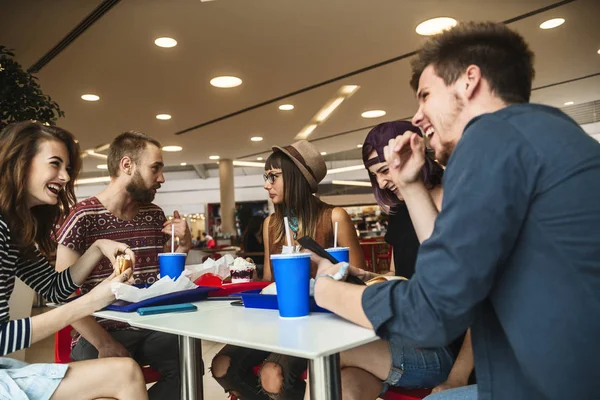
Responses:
[287,231]
[172,238]
[335,234]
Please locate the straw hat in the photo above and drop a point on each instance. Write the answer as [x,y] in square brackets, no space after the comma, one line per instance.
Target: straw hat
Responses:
[308,160]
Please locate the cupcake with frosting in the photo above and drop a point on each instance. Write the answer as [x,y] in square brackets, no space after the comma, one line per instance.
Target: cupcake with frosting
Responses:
[242,270]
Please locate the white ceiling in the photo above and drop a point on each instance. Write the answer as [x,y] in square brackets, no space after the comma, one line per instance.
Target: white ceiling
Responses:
[277,47]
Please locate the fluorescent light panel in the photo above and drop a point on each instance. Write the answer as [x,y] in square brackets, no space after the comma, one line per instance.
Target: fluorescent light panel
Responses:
[352,183]
[345,169]
[238,163]
[325,112]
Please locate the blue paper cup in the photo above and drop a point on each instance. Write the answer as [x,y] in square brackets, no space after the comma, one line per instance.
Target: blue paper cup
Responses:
[292,277]
[171,264]
[340,253]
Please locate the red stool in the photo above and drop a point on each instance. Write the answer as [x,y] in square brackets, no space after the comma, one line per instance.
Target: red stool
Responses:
[62,353]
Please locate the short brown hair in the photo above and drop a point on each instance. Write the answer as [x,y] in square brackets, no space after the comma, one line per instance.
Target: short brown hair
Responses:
[503,56]
[19,143]
[130,144]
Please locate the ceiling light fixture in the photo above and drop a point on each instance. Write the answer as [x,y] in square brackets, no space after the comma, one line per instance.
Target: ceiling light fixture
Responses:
[286,107]
[434,26]
[352,183]
[238,163]
[172,148]
[359,145]
[569,103]
[226,81]
[342,94]
[306,131]
[90,97]
[349,89]
[183,164]
[92,153]
[256,139]
[328,109]
[323,153]
[373,114]
[165,42]
[214,157]
[102,166]
[345,169]
[259,158]
[552,23]
[87,181]
[163,117]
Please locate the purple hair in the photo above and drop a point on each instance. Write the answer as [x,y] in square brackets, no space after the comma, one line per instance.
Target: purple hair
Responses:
[376,140]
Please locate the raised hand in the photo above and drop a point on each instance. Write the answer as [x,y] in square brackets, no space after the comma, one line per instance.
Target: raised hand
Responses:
[405,155]
[182,230]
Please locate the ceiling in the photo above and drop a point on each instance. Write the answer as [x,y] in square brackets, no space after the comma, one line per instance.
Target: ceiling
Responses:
[277,48]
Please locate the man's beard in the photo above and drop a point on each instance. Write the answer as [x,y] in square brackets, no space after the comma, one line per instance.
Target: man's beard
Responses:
[138,191]
[446,123]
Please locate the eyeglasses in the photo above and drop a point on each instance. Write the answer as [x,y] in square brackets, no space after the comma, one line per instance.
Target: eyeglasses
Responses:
[270,177]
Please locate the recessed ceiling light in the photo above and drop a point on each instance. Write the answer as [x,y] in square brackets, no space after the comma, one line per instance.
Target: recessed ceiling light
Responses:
[256,139]
[435,25]
[183,164]
[286,107]
[323,153]
[214,157]
[552,23]
[164,117]
[359,145]
[569,103]
[102,166]
[226,81]
[172,148]
[598,51]
[90,97]
[259,158]
[373,114]
[165,42]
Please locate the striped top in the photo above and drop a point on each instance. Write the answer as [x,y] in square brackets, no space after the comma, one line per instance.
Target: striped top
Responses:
[89,221]
[37,274]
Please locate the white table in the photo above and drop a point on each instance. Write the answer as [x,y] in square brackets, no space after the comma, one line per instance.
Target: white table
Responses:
[319,338]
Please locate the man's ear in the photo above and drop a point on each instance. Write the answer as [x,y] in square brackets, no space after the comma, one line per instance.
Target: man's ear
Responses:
[472,81]
[126,165]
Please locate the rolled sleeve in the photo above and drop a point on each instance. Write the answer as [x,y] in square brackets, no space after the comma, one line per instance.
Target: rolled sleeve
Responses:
[377,302]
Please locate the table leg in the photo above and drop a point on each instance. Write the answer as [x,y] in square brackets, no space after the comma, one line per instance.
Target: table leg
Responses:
[191,368]
[374,260]
[325,380]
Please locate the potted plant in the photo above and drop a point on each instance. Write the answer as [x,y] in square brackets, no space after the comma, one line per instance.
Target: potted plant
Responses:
[21,97]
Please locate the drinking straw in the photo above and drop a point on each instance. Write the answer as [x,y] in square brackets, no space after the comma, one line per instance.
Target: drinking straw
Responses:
[172,238]
[335,234]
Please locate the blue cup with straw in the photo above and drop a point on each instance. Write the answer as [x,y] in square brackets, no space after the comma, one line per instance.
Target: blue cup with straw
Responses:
[342,254]
[171,264]
[292,278]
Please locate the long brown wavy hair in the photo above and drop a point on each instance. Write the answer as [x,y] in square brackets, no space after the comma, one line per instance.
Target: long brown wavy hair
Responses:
[19,143]
[298,199]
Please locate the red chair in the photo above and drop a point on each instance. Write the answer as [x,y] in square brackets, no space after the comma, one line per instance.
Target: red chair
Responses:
[397,393]
[62,353]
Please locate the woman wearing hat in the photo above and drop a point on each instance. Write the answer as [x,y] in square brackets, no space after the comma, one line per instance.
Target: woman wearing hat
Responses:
[292,176]
[369,370]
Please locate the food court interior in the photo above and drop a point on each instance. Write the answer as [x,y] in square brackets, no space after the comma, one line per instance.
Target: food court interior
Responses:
[219,82]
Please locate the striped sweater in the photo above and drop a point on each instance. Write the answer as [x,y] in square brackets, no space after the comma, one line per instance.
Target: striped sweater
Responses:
[37,274]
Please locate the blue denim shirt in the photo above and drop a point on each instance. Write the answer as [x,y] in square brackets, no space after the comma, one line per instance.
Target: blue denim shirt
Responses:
[515,255]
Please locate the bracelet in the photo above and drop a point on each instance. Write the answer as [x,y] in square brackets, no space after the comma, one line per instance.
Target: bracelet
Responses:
[339,275]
